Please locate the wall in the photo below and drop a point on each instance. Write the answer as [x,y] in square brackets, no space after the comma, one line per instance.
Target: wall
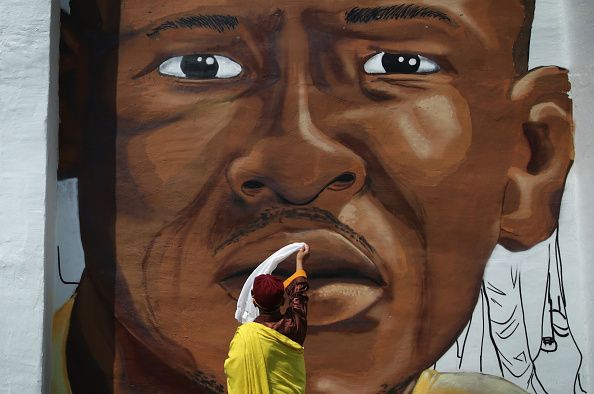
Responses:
[28,131]
[580,30]
[520,308]
[27,176]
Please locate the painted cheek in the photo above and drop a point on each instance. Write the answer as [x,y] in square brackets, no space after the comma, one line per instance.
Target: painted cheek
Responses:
[153,98]
[171,149]
[390,239]
[430,135]
[444,128]
[169,165]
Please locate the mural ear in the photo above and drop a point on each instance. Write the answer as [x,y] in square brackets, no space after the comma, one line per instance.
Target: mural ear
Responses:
[535,185]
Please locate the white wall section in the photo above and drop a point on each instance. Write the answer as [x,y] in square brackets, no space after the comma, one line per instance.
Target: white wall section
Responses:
[28,137]
[580,34]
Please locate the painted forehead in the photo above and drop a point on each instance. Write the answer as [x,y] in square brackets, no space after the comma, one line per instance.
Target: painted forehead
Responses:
[481,15]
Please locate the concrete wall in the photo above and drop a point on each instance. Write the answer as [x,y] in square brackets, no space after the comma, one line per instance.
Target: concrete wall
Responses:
[28,134]
[580,31]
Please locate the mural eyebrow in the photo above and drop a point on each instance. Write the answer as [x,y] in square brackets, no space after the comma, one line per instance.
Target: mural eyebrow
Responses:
[400,11]
[219,23]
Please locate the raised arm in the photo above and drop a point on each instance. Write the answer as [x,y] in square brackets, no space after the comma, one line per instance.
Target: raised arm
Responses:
[296,288]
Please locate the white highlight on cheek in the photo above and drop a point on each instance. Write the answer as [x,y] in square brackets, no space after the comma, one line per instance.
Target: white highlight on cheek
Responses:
[432,127]
[412,131]
[446,127]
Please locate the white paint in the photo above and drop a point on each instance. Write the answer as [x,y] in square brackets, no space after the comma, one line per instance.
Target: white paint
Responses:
[72,256]
[27,193]
[580,31]
[548,45]
[374,64]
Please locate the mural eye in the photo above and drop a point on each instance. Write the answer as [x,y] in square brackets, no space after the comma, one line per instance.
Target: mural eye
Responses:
[200,66]
[399,63]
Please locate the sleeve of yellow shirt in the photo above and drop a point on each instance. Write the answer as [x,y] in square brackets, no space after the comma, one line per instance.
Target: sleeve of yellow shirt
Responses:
[296,275]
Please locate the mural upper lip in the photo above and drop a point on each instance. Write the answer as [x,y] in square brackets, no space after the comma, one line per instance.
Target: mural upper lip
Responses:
[332,257]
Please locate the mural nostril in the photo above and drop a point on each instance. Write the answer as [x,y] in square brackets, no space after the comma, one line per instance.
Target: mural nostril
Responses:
[343,181]
[252,187]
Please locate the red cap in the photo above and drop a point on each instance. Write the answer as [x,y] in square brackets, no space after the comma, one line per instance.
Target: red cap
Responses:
[268,291]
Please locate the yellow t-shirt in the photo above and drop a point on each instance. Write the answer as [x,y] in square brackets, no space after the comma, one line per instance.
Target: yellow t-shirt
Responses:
[264,361]
[60,326]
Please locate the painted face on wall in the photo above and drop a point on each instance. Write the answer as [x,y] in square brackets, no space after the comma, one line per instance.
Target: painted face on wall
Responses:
[401,141]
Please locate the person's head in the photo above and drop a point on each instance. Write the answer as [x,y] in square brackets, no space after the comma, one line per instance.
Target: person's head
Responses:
[268,292]
[402,140]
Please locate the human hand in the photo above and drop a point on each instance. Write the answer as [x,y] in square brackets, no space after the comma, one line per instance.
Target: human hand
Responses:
[304,251]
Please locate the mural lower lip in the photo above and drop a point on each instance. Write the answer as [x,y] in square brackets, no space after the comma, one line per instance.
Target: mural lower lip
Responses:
[344,281]
[331,299]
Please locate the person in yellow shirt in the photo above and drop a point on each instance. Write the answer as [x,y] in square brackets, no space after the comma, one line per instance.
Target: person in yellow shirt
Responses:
[266,356]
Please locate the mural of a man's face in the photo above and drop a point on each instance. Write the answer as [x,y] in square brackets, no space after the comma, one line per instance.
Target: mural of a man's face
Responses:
[401,141]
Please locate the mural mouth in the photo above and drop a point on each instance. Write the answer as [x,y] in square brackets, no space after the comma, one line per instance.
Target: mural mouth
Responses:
[344,281]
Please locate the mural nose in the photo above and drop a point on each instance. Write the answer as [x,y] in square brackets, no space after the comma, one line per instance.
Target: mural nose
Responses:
[293,183]
[343,181]
[253,187]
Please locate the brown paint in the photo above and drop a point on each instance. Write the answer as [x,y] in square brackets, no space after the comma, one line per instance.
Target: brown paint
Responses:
[440,168]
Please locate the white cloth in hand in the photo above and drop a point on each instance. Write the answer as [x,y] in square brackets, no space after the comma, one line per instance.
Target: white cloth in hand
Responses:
[246,310]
